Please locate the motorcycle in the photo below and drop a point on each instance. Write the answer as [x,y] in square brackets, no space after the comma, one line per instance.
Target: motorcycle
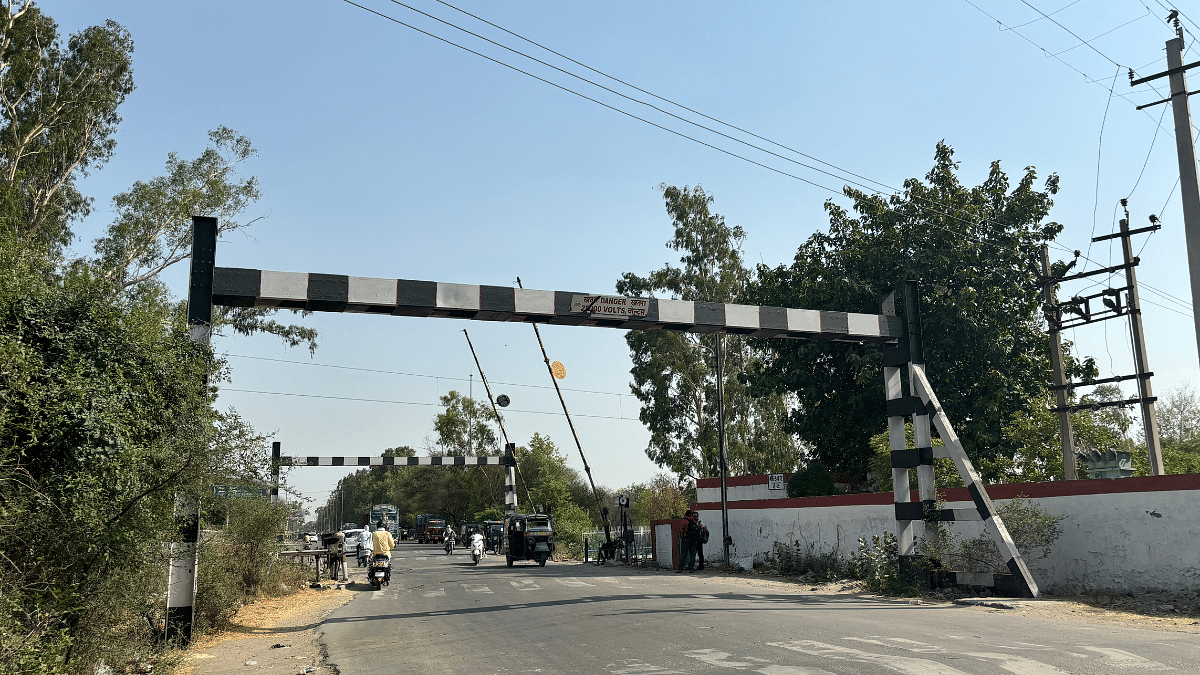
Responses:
[379,572]
[477,549]
[449,546]
[364,555]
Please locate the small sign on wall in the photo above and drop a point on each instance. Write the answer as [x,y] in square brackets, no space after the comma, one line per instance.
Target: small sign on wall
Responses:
[775,481]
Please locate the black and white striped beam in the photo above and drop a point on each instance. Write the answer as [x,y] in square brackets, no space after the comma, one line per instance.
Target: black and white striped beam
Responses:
[237,287]
[397,461]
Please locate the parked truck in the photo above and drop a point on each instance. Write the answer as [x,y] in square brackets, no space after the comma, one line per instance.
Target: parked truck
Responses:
[431,529]
[388,514]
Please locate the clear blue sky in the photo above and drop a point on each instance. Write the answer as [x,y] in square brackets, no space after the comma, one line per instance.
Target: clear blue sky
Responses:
[387,153]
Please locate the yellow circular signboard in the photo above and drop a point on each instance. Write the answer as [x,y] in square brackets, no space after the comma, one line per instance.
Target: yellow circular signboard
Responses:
[558,369]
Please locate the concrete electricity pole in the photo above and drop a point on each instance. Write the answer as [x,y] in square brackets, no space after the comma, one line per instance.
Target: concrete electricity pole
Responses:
[1060,381]
[1189,187]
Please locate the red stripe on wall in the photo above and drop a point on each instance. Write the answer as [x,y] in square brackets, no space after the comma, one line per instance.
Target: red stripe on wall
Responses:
[1067,488]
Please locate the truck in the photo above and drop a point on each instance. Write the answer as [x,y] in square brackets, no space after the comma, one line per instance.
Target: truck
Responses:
[431,529]
[389,514]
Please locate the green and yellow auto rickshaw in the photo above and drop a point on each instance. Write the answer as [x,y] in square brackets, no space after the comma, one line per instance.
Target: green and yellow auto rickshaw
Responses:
[528,537]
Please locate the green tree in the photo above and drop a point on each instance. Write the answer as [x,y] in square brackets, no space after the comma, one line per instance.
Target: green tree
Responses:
[986,349]
[674,374]
[58,116]
[152,228]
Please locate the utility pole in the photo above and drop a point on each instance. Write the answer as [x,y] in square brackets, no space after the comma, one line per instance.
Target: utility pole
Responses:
[1189,186]
[1140,363]
[724,458]
[1060,380]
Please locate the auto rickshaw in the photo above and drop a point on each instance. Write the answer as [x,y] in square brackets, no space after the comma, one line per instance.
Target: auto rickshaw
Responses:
[529,537]
[494,531]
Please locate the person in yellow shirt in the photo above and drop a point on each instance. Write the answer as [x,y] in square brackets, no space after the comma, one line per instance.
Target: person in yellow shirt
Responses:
[381,541]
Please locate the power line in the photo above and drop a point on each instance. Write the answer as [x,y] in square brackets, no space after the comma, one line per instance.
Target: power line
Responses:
[589,98]
[432,377]
[1076,2]
[732,154]
[667,100]
[630,98]
[1056,23]
[1111,30]
[437,405]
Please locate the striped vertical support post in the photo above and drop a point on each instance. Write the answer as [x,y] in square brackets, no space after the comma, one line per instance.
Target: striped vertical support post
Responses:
[923,440]
[275,473]
[893,356]
[983,504]
[510,480]
[184,562]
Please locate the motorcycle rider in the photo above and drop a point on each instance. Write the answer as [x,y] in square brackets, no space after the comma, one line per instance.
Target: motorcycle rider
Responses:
[449,541]
[478,538]
[382,544]
[365,546]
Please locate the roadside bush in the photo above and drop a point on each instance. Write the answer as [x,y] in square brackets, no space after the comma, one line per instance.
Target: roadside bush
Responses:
[814,481]
[1032,528]
[242,562]
[802,560]
[877,566]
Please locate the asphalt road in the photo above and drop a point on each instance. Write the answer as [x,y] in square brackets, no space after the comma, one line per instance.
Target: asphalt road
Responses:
[441,614]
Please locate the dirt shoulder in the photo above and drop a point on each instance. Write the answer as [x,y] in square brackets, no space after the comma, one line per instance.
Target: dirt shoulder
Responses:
[272,635]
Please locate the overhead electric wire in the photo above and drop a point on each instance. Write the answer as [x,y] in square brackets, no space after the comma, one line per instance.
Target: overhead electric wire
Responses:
[929,203]
[667,100]
[1072,4]
[589,98]
[1111,30]
[1056,23]
[971,221]
[438,405]
[643,102]
[1086,78]
[431,377]
[1148,152]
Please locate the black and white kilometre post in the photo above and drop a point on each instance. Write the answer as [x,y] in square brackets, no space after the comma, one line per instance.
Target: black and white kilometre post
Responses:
[238,287]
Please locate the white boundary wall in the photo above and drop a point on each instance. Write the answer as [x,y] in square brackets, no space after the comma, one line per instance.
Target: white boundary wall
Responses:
[1121,540]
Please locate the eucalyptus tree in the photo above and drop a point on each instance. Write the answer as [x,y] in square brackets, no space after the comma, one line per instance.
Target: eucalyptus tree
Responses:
[674,374]
[58,117]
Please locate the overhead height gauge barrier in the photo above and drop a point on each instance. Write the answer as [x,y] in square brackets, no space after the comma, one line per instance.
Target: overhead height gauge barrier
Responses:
[899,338]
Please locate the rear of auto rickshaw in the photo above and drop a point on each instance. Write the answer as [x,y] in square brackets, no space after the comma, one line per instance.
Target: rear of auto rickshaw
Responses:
[528,537]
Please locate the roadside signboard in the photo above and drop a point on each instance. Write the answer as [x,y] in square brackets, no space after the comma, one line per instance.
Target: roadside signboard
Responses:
[239,492]
[609,305]
[775,481]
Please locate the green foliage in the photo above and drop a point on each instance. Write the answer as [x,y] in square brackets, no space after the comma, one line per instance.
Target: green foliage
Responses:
[674,374]
[945,475]
[58,116]
[1033,530]
[970,249]
[105,417]
[803,560]
[813,481]
[241,563]
[659,499]
[877,565]
[1177,459]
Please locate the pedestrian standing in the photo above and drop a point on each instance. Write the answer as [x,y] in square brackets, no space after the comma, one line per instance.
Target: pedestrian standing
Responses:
[702,542]
[685,543]
[693,536]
